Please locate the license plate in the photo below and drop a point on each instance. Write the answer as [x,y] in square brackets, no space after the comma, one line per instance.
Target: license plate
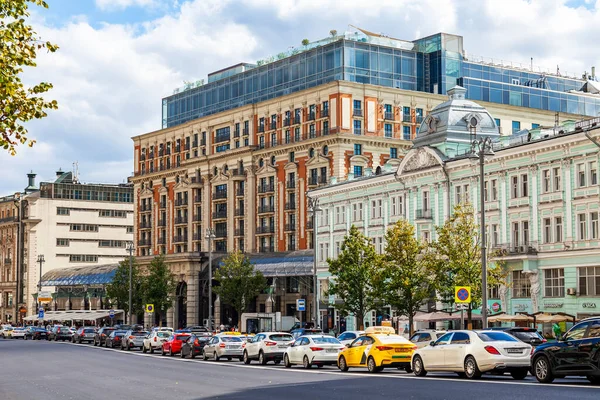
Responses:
[282,346]
[332,351]
[514,351]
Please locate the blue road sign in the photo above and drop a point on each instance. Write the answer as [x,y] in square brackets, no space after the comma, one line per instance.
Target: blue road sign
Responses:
[301,304]
[41,313]
[111,313]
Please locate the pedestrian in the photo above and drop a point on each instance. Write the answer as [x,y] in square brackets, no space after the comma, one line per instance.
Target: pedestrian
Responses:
[557,331]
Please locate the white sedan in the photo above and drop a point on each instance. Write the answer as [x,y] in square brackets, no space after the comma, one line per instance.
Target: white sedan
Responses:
[19,333]
[472,353]
[313,349]
[155,340]
[349,336]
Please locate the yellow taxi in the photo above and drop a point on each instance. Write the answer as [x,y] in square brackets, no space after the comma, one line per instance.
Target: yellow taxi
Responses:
[380,347]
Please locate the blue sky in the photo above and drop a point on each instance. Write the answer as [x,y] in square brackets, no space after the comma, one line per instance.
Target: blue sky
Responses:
[118,58]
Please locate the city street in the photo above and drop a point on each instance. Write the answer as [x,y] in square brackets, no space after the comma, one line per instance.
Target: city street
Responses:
[49,370]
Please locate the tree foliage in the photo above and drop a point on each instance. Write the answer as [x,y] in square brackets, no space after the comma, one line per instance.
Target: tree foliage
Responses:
[19,44]
[239,282]
[408,281]
[355,276]
[118,290]
[159,285]
[456,259]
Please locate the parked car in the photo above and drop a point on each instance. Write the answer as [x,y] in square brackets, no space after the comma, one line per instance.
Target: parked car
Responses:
[194,346]
[380,347]
[18,333]
[473,353]
[114,339]
[133,339]
[574,354]
[163,329]
[102,334]
[84,334]
[267,346]
[296,333]
[173,345]
[36,333]
[423,337]
[6,331]
[349,336]
[528,335]
[224,346]
[155,340]
[60,333]
[312,350]
[196,329]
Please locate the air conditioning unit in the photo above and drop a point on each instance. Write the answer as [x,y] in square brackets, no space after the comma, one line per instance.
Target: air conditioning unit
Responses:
[571,291]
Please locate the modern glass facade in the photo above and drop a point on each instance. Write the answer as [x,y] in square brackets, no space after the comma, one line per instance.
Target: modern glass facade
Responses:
[433,64]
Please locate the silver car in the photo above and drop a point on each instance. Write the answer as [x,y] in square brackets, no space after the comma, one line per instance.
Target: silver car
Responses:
[133,339]
[224,346]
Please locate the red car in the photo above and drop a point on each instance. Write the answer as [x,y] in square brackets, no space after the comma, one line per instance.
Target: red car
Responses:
[173,345]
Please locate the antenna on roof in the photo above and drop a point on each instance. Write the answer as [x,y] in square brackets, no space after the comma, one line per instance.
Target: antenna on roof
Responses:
[531,64]
[76,172]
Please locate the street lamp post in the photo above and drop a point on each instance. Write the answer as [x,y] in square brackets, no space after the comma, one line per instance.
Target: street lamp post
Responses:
[41,261]
[313,208]
[210,235]
[481,148]
[130,249]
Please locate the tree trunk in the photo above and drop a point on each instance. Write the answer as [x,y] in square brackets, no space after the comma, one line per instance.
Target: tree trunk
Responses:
[410,323]
[360,316]
[469,318]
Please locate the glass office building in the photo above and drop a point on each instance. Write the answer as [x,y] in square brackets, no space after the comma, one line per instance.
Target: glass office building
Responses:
[433,64]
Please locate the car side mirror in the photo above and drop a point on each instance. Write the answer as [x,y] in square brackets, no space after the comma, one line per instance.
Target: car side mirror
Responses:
[432,344]
[347,344]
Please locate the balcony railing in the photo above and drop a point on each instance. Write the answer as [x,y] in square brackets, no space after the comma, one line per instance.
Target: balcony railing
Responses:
[239,192]
[286,122]
[273,125]
[406,118]
[424,214]
[221,234]
[197,199]
[180,239]
[145,242]
[219,214]
[261,129]
[162,240]
[389,116]
[162,222]
[9,219]
[143,208]
[194,144]
[220,194]
[222,138]
[357,112]
[419,119]
[238,172]
[245,131]
[239,212]
[203,142]
[313,181]
[266,209]
[236,134]
[197,236]
[291,246]
[181,220]
[291,184]
[163,204]
[290,206]
[357,131]
[145,225]
[181,202]
[197,218]
[297,120]
[523,248]
[311,116]
[268,188]
[264,229]
[266,249]
[239,232]
[324,113]
[290,227]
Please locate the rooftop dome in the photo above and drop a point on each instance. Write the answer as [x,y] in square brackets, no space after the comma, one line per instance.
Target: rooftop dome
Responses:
[456,121]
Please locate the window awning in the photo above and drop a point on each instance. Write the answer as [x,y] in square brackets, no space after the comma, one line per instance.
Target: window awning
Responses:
[293,263]
[79,276]
[75,315]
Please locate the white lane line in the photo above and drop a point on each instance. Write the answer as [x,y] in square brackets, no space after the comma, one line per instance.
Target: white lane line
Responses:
[337,373]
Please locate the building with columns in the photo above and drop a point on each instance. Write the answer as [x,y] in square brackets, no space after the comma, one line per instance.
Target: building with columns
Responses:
[9,239]
[238,154]
[541,198]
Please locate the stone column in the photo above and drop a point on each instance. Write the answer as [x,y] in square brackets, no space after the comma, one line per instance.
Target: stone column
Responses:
[217,312]
[193,299]
[170,318]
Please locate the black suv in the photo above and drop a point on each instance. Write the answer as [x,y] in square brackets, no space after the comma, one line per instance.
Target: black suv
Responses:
[60,333]
[102,334]
[577,353]
[527,335]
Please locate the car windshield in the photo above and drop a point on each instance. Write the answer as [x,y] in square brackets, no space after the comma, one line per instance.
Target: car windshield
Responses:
[392,339]
[526,335]
[163,334]
[230,339]
[494,336]
[281,338]
[325,340]
[182,337]
[89,330]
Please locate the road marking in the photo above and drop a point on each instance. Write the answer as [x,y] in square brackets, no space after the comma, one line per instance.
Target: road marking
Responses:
[336,373]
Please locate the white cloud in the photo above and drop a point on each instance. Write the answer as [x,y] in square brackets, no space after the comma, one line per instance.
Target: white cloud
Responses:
[110,5]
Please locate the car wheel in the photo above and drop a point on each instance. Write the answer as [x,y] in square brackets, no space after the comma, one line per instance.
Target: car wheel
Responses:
[192,354]
[542,370]
[181,354]
[261,358]
[144,349]
[519,375]
[418,367]
[95,344]
[593,379]
[471,369]
[151,349]
[306,363]
[286,361]
[372,366]
[246,358]
[204,356]
[216,357]
[170,352]
[342,364]
[162,351]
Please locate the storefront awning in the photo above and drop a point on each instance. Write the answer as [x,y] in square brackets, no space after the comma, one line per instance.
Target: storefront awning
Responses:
[79,276]
[76,315]
[293,263]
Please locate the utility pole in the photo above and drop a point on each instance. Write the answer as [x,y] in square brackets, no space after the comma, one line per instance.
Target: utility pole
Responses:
[130,249]
[41,261]
[210,235]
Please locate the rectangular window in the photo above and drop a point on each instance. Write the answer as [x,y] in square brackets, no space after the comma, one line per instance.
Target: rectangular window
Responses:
[558,236]
[358,170]
[292,156]
[62,242]
[406,132]
[516,234]
[556,177]
[554,282]
[486,196]
[581,175]
[525,225]
[357,104]
[535,126]
[524,186]
[547,230]
[62,211]
[393,152]
[514,187]
[546,181]
[458,194]
[581,227]
[388,130]
[521,285]
[357,127]
[593,173]
[516,126]
[594,225]
[497,121]
[494,189]
[425,201]
[589,281]
[357,149]
[495,237]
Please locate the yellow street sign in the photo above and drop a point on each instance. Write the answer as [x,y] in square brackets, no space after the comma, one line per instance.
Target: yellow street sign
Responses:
[149,308]
[462,294]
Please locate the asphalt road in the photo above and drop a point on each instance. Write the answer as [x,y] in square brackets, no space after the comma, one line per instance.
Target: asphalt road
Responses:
[49,371]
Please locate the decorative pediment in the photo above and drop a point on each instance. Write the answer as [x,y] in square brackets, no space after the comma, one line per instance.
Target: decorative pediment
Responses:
[394,162]
[359,159]
[290,166]
[318,160]
[146,191]
[163,189]
[220,177]
[266,169]
[420,158]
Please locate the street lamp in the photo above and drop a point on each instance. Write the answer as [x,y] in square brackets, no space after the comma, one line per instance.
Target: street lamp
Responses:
[479,149]
[41,261]
[129,247]
[313,209]
[210,236]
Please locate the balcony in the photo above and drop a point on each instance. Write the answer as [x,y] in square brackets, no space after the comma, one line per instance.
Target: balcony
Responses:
[145,242]
[297,120]
[221,233]
[194,144]
[168,152]
[239,192]
[290,206]
[162,240]
[424,214]
[261,230]
[180,239]
[236,133]
[324,113]
[273,125]
[389,116]
[266,249]
[145,225]
[9,219]
[261,129]
[187,146]
[325,131]
[181,220]
[268,188]
[291,247]
[245,131]
[162,222]
[161,153]
[357,112]
[266,209]
[197,199]
[163,204]
[313,181]
[143,157]
[239,232]
[311,116]
[239,212]
[197,218]
[151,155]
[286,122]
[529,248]
[181,202]
[219,214]
[406,118]
[291,184]
[222,138]
[203,142]
[238,172]
[220,194]
[290,227]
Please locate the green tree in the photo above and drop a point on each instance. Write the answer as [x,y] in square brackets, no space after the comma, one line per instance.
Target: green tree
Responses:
[19,44]
[356,274]
[456,259]
[118,290]
[159,286]
[239,282]
[305,42]
[408,281]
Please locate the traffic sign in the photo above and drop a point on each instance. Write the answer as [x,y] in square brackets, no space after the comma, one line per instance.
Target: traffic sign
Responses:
[44,297]
[462,294]
[496,307]
[462,306]
[41,313]
[111,313]
[300,304]
[150,308]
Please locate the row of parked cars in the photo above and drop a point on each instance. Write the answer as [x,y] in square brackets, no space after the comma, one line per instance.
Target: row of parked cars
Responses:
[469,354]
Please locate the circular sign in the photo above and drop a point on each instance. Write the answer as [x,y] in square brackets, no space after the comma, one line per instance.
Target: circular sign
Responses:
[150,308]
[111,313]
[496,307]
[462,294]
